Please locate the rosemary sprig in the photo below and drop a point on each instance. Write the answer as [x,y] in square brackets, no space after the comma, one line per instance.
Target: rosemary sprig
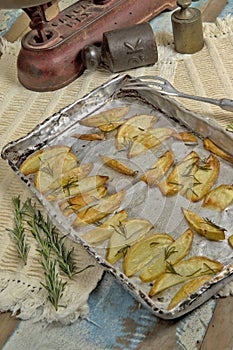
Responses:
[170,269]
[188,189]
[47,170]
[168,252]
[52,241]
[120,229]
[44,246]
[54,286]
[18,232]
[209,222]
[123,250]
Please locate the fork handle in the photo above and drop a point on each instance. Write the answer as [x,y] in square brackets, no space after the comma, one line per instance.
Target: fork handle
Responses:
[223,103]
[226,104]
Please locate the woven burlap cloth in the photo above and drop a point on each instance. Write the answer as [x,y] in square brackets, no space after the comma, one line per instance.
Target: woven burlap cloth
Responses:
[208,73]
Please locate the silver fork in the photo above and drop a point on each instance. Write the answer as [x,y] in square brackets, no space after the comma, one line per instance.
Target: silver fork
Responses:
[165,88]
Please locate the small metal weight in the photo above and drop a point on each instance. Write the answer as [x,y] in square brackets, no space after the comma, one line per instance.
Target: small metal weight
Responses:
[187,28]
[123,49]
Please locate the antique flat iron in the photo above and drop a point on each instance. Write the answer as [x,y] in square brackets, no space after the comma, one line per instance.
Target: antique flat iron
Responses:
[51,52]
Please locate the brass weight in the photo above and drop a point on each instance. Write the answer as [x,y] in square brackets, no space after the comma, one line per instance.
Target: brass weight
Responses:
[187,28]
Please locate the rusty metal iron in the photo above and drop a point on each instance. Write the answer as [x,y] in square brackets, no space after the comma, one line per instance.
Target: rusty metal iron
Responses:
[17,4]
[50,56]
[129,47]
[123,49]
[187,28]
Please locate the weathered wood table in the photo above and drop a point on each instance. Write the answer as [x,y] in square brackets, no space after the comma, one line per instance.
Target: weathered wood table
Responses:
[116,320]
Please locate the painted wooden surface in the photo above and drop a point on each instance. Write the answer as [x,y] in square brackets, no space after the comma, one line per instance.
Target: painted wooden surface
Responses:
[116,320]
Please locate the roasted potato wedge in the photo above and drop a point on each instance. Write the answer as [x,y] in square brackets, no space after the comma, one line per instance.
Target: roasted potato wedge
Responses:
[107,120]
[230,240]
[187,289]
[72,176]
[73,204]
[142,252]
[185,136]
[210,146]
[204,227]
[184,271]
[158,169]
[110,126]
[53,169]
[105,230]
[104,207]
[90,137]
[131,128]
[182,175]
[219,198]
[204,178]
[147,140]
[169,256]
[126,234]
[32,163]
[82,186]
[118,166]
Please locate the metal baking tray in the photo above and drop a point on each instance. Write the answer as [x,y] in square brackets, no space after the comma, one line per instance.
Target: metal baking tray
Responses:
[142,201]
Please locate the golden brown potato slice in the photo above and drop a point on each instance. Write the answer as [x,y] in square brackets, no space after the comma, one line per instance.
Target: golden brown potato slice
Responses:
[90,137]
[219,198]
[182,175]
[118,166]
[142,252]
[104,207]
[53,169]
[187,289]
[107,120]
[73,204]
[185,136]
[147,140]
[110,126]
[126,234]
[32,164]
[105,230]
[204,227]
[159,169]
[230,240]
[82,186]
[203,179]
[72,176]
[210,146]
[184,271]
[132,127]
[170,255]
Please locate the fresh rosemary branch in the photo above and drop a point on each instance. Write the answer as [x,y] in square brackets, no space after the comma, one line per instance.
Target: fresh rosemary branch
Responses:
[52,241]
[54,286]
[18,232]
